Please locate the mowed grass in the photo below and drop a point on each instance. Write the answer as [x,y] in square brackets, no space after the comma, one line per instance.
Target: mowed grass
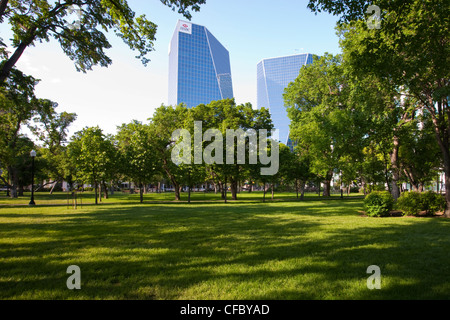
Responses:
[314,249]
[87,198]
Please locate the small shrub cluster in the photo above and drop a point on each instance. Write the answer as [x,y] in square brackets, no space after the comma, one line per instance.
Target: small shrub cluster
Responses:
[378,203]
[413,202]
[410,203]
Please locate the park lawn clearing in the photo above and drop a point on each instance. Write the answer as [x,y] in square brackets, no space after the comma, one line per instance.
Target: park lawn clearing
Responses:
[298,250]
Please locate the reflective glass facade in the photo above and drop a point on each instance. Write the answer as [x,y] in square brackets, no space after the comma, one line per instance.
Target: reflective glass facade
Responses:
[199,67]
[273,76]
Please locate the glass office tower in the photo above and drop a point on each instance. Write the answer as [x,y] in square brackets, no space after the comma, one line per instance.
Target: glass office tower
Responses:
[273,76]
[199,67]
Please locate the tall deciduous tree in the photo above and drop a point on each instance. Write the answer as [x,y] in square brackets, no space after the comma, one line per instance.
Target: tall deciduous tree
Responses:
[410,49]
[93,156]
[419,153]
[229,118]
[163,123]
[18,105]
[138,161]
[320,122]
[51,129]
[84,42]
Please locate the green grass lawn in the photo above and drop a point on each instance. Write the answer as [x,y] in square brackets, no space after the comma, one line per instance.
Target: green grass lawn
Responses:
[314,249]
[64,198]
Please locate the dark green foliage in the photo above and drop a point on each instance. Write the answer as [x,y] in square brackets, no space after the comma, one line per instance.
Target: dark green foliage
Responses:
[413,202]
[37,21]
[409,203]
[432,202]
[378,203]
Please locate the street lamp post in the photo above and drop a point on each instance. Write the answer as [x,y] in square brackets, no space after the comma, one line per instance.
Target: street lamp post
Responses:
[32,155]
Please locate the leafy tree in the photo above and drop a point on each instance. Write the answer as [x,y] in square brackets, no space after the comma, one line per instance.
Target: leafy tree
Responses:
[284,174]
[51,128]
[36,21]
[320,123]
[18,105]
[374,168]
[164,122]
[20,165]
[419,153]
[93,156]
[297,170]
[226,116]
[138,161]
[410,50]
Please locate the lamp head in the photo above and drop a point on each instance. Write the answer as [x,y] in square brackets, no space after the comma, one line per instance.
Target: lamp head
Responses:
[33,153]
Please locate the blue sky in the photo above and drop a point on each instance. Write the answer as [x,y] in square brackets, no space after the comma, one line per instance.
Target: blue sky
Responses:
[251,30]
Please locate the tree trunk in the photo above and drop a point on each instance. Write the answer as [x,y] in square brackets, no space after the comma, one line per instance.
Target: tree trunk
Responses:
[95,188]
[105,191]
[225,189]
[14,179]
[233,186]
[7,67]
[3,6]
[447,181]
[177,191]
[222,190]
[327,188]
[395,191]
[264,192]
[172,178]
[302,189]
[189,193]
[272,187]
[442,132]
[111,189]
[412,180]
[327,184]
[386,175]
[447,190]
[141,193]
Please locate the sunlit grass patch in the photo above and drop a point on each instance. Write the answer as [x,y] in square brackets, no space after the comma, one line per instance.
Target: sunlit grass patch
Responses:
[240,250]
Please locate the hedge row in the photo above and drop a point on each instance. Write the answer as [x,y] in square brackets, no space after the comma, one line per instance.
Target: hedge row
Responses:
[381,203]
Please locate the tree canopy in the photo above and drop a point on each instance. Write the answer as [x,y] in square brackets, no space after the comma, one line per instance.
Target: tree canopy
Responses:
[34,21]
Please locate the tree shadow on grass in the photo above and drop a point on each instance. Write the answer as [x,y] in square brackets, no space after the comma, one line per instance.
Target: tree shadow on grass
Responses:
[253,251]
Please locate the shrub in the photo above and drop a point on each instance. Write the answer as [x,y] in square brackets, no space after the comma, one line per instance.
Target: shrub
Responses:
[410,203]
[413,202]
[432,202]
[378,203]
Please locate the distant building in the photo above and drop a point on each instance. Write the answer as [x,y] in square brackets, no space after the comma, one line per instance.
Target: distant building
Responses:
[273,76]
[199,67]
